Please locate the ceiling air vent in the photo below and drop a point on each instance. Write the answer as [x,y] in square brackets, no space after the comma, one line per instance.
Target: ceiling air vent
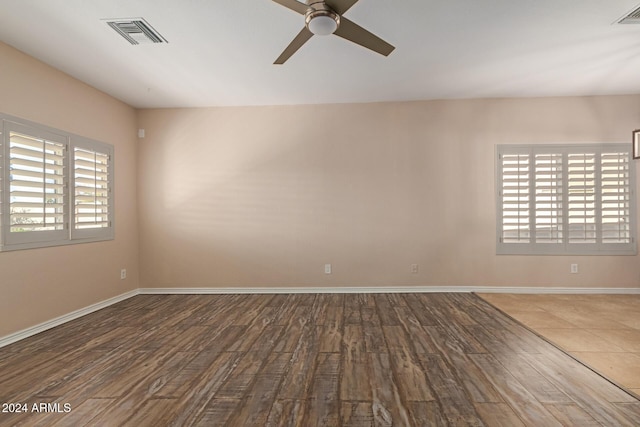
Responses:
[632,18]
[136,31]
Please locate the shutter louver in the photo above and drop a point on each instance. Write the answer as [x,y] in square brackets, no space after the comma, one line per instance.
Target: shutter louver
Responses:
[91,189]
[582,197]
[2,180]
[516,223]
[36,184]
[548,198]
[615,198]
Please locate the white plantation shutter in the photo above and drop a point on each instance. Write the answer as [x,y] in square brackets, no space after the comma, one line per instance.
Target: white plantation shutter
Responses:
[516,221]
[55,188]
[615,196]
[92,182]
[580,199]
[2,180]
[36,185]
[548,198]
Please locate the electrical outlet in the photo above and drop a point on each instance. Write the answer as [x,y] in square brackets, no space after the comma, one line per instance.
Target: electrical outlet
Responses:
[414,268]
[123,274]
[327,269]
[574,268]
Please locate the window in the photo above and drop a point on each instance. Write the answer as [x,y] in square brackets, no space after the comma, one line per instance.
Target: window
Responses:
[571,199]
[91,191]
[55,187]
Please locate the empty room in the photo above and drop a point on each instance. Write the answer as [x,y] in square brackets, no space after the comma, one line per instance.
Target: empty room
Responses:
[319,213]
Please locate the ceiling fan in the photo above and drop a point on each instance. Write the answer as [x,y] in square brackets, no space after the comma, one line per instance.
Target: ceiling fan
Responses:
[324,17]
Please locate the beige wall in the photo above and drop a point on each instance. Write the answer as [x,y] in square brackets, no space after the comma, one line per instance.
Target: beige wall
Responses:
[41,284]
[265,196]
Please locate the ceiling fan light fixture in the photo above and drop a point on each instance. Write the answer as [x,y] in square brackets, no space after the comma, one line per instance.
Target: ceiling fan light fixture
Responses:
[322,21]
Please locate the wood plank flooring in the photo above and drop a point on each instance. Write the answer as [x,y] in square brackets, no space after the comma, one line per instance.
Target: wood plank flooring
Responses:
[303,360]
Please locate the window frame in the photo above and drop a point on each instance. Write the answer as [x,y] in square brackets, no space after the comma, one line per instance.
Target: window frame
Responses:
[68,235]
[565,247]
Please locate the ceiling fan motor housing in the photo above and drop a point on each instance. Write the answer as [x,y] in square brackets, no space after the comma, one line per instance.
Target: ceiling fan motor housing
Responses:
[320,19]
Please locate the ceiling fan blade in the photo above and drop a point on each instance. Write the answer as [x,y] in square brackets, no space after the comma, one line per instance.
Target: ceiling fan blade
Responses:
[340,6]
[353,32]
[297,42]
[294,5]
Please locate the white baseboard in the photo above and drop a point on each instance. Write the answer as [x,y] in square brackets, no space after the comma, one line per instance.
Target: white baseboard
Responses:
[309,290]
[17,336]
[555,290]
[25,333]
[388,289]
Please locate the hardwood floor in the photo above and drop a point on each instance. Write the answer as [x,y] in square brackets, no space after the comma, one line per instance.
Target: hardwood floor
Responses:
[303,360]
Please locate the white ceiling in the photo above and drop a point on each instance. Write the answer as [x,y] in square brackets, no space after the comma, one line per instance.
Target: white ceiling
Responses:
[222,52]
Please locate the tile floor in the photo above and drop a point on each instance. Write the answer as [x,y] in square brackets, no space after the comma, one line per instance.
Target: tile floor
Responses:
[602,331]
